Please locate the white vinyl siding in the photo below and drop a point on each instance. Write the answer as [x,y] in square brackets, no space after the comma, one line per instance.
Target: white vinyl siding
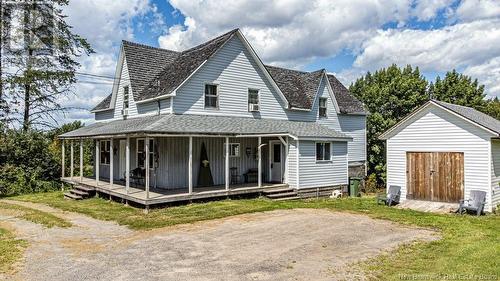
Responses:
[235,71]
[104,115]
[355,127]
[436,130]
[331,120]
[124,81]
[495,173]
[292,163]
[326,173]
[151,107]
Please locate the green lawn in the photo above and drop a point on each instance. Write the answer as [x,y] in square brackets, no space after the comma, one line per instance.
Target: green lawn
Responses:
[11,249]
[470,246]
[36,216]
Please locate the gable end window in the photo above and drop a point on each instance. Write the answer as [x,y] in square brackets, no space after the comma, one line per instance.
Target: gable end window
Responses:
[104,147]
[322,107]
[211,96]
[125,100]
[323,151]
[253,100]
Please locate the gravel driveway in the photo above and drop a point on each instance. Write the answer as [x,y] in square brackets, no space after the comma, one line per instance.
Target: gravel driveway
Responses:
[301,244]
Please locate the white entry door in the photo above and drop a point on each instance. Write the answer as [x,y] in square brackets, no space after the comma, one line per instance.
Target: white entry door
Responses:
[275,161]
[123,147]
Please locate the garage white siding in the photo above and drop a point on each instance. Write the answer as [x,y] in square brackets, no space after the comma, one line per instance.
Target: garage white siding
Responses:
[495,173]
[319,174]
[436,130]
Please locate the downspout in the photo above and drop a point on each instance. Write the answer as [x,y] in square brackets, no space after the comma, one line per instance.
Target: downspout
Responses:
[159,106]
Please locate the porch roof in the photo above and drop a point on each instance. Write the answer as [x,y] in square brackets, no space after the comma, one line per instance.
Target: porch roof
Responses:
[206,125]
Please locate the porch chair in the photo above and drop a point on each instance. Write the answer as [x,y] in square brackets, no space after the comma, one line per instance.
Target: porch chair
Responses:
[137,175]
[475,203]
[391,197]
[235,177]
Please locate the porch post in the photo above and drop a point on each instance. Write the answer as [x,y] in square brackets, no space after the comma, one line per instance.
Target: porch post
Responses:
[146,166]
[81,160]
[259,168]
[227,164]
[285,177]
[111,163]
[97,160]
[127,165]
[62,158]
[72,159]
[190,190]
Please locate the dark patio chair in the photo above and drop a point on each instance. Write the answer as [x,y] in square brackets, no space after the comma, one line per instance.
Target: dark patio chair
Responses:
[391,197]
[137,176]
[475,203]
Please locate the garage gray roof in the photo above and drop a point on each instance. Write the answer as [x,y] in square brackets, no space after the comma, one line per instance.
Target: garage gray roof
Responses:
[473,115]
[213,125]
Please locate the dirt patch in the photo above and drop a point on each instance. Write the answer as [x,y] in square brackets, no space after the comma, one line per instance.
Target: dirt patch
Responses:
[300,244]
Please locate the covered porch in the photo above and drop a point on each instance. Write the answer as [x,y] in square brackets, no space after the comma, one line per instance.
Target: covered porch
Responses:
[160,196]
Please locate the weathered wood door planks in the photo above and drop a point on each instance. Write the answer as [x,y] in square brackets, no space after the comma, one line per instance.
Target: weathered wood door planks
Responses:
[435,176]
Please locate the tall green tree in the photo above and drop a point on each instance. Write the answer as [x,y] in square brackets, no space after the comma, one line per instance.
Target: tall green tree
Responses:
[40,54]
[458,89]
[492,108]
[389,94]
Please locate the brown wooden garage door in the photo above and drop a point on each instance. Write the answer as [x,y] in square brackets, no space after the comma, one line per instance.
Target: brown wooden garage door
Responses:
[435,176]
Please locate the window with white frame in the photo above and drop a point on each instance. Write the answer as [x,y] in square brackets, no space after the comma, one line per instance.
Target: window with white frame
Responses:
[141,153]
[253,100]
[322,107]
[323,151]
[104,148]
[125,97]
[234,150]
[211,96]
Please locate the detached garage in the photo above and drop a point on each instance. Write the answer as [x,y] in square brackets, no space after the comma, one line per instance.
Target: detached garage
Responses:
[441,151]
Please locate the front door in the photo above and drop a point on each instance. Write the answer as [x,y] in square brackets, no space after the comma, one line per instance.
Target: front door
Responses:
[123,147]
[275,161]
[435,176]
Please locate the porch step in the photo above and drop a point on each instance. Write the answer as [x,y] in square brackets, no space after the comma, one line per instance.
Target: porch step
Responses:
[84,188]
[78,192]
[68,195]
[278,190]
[280,195]
[287,198]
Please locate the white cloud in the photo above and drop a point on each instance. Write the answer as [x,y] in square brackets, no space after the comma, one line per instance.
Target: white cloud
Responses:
[286,32]
[427,9]
[489,75]
[441,49]
[469,10]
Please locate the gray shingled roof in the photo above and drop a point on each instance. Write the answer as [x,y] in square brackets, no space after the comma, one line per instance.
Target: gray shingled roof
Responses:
[198,124]
[174,73]
[144,63]
[473,115]
[147,65]
[299,87]
[347,103]
[104,104]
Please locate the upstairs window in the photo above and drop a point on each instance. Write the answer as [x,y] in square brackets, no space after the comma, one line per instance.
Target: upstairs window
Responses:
[322,107]
[104,148]
[125,101]
[323,151]
[253,100]
[211,96]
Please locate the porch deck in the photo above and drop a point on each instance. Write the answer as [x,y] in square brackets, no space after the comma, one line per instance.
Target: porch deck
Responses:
[159,196]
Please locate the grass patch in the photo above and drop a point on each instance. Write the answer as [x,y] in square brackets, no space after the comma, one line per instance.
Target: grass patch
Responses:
[469,245]
[36,216]
[11,250]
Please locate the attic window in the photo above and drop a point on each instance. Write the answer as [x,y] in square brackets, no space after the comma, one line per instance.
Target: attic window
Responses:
[125,97]
[211,96]
[322,107]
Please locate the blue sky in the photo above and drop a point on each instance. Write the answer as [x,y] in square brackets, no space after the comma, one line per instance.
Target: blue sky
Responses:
[346,37]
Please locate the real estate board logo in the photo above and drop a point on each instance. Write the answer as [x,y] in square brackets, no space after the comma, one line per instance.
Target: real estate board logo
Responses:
[28,26]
